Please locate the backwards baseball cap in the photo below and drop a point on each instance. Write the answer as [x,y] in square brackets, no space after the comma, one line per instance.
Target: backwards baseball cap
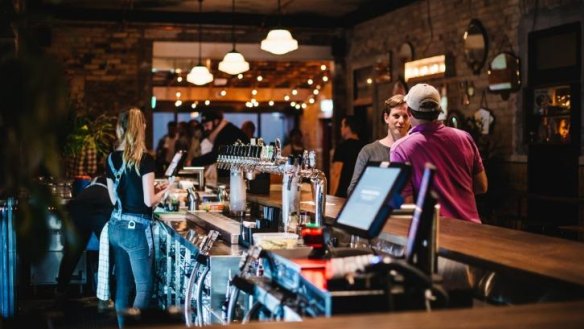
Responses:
[210,115]
[423,98]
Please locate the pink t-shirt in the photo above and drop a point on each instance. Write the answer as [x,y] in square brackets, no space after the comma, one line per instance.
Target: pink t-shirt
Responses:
[457,161]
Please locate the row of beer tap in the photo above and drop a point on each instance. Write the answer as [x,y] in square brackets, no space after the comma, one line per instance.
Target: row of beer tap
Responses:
[258,157]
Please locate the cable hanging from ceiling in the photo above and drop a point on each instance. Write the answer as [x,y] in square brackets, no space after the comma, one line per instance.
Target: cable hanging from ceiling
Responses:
[233,63]
[279,41]
[200,74]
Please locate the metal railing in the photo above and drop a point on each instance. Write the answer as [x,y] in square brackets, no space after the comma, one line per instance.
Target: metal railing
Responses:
[7,259]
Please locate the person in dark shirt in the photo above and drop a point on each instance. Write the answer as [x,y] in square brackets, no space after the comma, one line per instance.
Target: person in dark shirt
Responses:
[88,211]
[294,144]
[248,128]
[227,134]
[345,157]
[130,180]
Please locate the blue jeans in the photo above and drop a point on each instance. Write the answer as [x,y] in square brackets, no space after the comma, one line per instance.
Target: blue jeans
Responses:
[133,264]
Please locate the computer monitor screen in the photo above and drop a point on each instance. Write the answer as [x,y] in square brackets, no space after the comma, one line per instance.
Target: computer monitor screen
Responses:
[420,245]
[173,167]
[372,200]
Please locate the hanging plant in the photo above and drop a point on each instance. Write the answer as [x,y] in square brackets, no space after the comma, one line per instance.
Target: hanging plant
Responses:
[96,132]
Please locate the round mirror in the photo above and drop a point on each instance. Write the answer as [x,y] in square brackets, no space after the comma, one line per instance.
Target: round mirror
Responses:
[504,74]
[406,52]
[454,119]
[475,46]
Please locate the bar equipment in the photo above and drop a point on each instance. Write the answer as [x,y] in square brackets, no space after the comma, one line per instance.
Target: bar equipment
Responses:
[193,199]
[258,157]
[237,195]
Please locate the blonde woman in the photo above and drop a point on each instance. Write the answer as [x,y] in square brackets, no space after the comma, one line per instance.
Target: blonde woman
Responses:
[130,180]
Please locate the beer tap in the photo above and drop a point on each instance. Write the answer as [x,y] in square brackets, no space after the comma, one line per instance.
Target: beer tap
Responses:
[267,158]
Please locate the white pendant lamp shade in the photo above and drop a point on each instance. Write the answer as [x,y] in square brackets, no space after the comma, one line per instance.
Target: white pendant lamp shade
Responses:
[233,63]
[279,42]
[200,75]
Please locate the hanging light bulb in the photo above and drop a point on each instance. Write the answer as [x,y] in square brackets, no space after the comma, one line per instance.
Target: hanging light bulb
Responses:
[233,63]
[279,41]
[200,74]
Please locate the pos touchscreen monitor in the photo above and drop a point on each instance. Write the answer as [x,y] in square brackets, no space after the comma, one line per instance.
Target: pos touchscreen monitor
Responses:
[175,164]
[421,246]
[376,194]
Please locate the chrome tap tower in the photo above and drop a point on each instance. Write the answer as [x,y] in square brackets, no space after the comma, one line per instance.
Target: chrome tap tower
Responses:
[257,157]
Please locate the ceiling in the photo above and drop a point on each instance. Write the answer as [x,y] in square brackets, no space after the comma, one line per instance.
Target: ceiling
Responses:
[315,22]
[326,14]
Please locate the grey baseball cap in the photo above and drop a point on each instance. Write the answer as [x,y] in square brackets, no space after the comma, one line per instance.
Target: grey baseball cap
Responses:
[423,98]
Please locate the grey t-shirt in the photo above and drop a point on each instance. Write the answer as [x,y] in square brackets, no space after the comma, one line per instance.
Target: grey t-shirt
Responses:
[371,152]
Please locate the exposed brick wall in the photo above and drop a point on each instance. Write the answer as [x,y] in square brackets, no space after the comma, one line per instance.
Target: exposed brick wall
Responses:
[437,27]
[109,64]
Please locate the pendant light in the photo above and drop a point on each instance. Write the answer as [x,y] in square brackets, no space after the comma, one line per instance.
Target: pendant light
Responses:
[200,74]
[279,41]
[233,62]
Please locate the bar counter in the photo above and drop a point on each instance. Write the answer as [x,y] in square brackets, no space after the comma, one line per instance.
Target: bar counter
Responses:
[567,315]
[551,261]
[553,315]
[491,247]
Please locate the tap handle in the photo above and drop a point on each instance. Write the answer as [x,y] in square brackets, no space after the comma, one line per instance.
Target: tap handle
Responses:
[305,160]
[277,143]
[311,159]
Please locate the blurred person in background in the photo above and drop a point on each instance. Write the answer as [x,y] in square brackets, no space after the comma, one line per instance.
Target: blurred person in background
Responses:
[248,129]
[345,156]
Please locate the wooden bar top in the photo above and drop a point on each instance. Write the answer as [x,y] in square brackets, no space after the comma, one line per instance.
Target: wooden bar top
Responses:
[500,248]
[565,315]
[495,247]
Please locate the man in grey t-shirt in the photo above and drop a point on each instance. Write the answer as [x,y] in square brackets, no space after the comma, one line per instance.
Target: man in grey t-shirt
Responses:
[395,115]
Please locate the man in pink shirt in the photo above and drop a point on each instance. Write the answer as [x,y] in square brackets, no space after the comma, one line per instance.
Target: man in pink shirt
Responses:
[460,172]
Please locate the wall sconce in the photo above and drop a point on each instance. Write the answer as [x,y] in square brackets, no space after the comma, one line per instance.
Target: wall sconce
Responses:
[427,68]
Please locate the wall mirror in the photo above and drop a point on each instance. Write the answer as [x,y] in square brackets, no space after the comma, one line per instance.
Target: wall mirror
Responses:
[406,52]
[454,119]
[475,46]
[504,74]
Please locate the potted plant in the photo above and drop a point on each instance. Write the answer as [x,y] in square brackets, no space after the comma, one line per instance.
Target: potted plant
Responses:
[89,131]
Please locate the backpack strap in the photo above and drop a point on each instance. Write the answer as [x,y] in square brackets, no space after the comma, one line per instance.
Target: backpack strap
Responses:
[117,177]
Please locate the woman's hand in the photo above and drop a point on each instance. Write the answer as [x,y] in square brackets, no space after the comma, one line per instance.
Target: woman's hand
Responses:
[159,187]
